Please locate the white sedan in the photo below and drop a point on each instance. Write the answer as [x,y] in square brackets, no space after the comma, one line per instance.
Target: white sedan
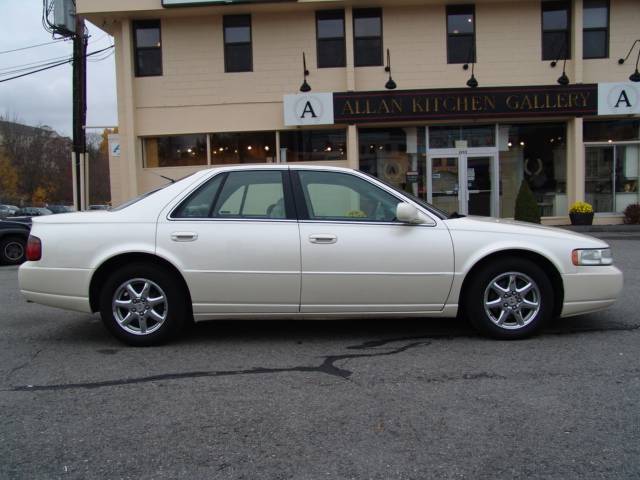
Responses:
[307,242]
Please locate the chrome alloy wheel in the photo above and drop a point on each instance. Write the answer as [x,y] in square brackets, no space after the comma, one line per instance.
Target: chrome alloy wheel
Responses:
[13,251]
[512,300]
[139,306]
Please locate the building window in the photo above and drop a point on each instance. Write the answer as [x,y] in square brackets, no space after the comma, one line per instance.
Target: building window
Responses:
[595,32]
[313,145]
[611,131]
[391,153]
[238,55]
[330,38]
[148,48]
[245,147]
[461,34]
[536,153]
[367,37]
[475,136]
[556,31]
[175,151]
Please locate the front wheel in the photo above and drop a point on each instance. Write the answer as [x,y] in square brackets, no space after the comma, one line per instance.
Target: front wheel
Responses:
[143,305]
[510,299]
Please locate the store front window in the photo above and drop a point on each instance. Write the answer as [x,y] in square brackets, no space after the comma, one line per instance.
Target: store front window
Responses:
[245,147]
[313,145]
[612,169]
[536,153]
[475,136]
[175,151]
[395,155]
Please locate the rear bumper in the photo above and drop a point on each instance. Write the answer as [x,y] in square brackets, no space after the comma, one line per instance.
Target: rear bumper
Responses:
[591,289]
[66,288]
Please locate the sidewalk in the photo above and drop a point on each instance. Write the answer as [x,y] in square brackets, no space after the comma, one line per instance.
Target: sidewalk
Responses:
[602,228]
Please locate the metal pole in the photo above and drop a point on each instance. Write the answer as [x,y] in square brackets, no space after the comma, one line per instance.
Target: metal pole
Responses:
[79,107]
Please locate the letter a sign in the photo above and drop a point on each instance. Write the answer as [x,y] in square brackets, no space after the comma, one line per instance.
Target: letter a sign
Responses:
[618,98]
[308,109]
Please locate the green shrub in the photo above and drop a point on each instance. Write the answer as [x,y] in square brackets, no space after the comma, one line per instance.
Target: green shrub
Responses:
[526,206]
[632,214]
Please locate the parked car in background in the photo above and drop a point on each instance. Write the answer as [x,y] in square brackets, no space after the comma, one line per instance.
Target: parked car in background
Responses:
[7,211]
[32,212]
[13,242]
[55,209]
[307,242]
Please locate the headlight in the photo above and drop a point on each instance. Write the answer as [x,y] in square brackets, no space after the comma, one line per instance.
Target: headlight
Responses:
[592,256]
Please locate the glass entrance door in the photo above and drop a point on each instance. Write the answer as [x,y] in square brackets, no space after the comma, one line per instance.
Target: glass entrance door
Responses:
[479,186]
[444,191]
[463,183]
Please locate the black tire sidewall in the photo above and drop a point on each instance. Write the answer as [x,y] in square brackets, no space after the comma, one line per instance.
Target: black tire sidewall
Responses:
[474,298]
[6,241]
[176,301]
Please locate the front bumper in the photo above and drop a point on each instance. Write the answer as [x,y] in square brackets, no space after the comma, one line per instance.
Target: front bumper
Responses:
[591,289]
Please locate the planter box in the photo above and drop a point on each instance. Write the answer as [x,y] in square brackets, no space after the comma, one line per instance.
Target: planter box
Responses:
[581,218]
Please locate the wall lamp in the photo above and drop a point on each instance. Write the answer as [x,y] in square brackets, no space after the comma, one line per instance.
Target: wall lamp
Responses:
[562,79]
[305,87]
[472,82]
[635,76]
[390,85]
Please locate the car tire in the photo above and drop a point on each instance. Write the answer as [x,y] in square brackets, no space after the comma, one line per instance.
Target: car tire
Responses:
[13,250]
[511,298]
[143,305]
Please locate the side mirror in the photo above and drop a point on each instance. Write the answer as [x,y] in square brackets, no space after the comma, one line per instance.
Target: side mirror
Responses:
[407,213]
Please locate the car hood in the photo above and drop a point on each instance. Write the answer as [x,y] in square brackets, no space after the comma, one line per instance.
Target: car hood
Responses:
[512,227]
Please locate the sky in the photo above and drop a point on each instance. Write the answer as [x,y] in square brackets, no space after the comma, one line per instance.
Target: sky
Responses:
[45,98]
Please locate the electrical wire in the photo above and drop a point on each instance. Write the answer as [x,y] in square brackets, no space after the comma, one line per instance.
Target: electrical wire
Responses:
[58,40]
[53,65]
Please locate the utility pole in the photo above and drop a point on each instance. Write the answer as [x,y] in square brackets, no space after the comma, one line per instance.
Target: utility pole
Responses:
[79,111]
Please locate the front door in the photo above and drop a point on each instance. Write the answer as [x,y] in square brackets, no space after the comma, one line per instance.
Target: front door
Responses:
[463,183]
[357,258]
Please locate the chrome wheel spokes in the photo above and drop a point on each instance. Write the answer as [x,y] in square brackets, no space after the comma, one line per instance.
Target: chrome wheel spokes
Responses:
[139,306]
[512,300]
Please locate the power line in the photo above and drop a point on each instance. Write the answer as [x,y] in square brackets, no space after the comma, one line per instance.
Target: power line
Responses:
[34,46]
[53,66]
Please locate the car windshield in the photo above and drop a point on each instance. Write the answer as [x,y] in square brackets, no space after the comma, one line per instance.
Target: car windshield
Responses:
[443,215]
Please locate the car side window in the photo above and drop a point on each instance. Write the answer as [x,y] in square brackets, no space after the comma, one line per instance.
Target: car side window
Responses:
[344,197]
[199,203]
[252,194]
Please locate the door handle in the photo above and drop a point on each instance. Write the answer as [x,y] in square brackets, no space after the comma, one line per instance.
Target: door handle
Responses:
[184,236]
[323,238]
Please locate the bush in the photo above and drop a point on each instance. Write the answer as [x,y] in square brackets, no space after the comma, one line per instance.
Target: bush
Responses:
[581,207]
[632,214]
[526,206]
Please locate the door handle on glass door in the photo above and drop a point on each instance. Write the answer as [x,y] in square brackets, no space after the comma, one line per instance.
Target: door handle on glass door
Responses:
[323,238]
[184,236]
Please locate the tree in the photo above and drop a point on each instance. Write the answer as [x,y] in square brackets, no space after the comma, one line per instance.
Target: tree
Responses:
[527,209]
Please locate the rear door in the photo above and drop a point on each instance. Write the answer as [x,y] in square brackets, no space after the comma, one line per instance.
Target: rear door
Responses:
[236,240]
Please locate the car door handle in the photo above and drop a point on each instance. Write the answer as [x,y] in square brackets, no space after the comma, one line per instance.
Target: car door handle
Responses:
[184,236]
[323,238]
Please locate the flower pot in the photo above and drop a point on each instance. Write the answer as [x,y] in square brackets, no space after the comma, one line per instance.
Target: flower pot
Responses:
[581,218]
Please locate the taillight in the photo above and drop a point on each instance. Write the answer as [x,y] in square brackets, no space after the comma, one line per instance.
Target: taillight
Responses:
[34,249]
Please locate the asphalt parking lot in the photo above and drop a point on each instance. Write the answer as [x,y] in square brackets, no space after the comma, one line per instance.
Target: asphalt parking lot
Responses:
[395,399]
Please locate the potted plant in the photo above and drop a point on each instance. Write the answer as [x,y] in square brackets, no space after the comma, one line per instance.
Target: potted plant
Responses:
[581,213]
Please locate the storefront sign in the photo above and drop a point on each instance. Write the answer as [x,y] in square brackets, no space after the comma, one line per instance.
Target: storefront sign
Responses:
[362,107]
[618,98]
[308,109]
[462,103]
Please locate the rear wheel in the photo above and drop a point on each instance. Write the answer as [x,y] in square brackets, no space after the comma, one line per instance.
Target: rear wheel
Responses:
[12,250]
[511,298]
[143,305]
